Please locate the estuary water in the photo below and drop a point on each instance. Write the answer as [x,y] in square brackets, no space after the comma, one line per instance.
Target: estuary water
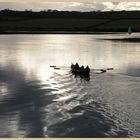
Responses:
[39,101]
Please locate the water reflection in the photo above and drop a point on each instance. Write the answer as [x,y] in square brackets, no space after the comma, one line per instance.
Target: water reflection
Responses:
[23,104]
[38,101]
[35,53]
[86,125]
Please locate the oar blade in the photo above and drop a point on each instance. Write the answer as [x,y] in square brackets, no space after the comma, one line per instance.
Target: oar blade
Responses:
[110,68]
[52,66]
[57,68]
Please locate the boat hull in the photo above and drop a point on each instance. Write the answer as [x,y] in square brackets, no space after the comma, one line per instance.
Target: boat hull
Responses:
[80,72]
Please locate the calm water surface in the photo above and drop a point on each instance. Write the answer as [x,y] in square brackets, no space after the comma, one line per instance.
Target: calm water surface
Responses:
[38,101]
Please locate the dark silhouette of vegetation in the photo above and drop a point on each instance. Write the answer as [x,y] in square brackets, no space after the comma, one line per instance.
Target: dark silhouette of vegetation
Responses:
[66,21]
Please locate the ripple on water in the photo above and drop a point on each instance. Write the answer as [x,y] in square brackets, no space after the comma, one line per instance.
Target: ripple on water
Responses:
[68,106]
[79,97]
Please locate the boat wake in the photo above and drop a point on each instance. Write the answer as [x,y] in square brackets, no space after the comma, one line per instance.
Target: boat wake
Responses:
[69,106]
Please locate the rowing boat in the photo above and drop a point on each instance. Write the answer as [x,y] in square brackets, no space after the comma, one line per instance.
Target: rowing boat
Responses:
[80,72]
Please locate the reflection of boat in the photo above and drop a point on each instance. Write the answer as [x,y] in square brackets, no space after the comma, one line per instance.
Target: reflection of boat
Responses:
[129,30]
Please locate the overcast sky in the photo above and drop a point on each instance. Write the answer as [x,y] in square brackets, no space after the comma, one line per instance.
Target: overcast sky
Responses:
[69,5]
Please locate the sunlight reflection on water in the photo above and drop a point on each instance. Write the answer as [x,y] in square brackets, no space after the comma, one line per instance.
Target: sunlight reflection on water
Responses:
[39,101]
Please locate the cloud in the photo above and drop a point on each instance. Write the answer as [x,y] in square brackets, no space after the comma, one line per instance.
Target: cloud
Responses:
[70,6]
[37,6]
[83,1]
[121,6]
[130,6]
[85,7]
[15,6]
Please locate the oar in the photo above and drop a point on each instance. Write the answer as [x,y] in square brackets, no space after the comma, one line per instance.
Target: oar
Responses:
[110,68]
[52,66]
[59,66]
[69,67]
[103,69]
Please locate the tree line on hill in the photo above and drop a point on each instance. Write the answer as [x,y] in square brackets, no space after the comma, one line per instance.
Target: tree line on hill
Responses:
[72,14]
[54,20]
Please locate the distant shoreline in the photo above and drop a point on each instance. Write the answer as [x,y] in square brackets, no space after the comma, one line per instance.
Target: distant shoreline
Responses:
[64,22]
[57,32]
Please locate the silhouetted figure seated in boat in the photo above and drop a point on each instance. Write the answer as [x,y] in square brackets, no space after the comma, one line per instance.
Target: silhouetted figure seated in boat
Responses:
[87,70]
[81,68]
[72,66]
[77,66]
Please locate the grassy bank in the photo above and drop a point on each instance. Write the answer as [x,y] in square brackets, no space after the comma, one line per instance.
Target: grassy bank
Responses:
[27,21]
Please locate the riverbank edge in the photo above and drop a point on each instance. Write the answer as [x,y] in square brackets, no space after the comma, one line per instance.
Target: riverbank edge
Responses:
[57,32]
